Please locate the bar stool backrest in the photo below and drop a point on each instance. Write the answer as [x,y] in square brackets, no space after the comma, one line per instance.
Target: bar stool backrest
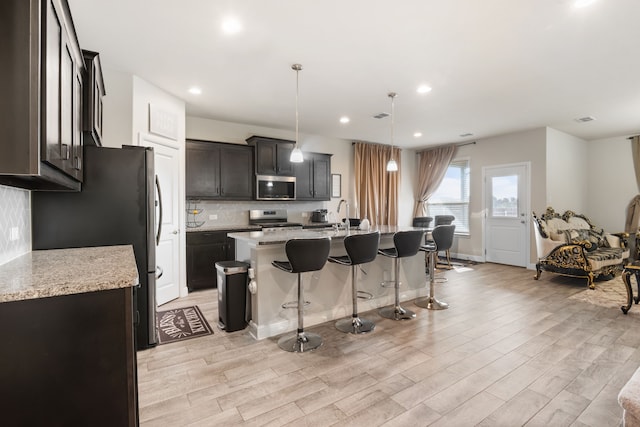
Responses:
[443,220]
[408,243]
[307,254]
[362,248]
[443,236]
[422,221]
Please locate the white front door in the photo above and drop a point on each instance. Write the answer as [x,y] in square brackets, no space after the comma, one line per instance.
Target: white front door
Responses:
[506,190]
[167,168]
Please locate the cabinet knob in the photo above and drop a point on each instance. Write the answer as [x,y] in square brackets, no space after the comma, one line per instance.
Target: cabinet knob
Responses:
[175,231]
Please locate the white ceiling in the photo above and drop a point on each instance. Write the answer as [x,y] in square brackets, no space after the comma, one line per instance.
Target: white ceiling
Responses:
[495,66]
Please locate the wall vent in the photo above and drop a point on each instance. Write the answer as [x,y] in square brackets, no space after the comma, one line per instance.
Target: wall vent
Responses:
[381,115]
[585,119]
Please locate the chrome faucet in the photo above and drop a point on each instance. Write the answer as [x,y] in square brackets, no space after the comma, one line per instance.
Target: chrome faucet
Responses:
[347,221]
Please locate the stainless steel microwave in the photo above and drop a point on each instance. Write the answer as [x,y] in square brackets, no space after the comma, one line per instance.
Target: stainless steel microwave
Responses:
[275,187]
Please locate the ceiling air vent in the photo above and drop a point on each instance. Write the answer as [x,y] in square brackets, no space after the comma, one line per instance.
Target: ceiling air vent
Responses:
[381,115]
[585,119]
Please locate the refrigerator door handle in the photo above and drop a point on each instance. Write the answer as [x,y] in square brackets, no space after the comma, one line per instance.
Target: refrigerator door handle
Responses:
[160,211]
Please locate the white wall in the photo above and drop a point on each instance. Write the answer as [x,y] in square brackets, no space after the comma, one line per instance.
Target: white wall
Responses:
[611,182]
[526,146]
[567,171]
[118,109]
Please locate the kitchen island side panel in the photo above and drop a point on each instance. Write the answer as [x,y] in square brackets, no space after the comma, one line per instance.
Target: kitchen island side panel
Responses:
[328,290]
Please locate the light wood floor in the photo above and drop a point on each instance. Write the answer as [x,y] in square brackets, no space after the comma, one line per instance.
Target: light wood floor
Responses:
[509,351]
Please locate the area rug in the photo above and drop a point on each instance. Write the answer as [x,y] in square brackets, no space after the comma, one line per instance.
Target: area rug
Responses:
[611,293]
[181,324]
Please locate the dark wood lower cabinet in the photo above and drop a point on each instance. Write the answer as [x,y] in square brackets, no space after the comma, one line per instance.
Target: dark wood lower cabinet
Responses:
[69,360]
[204,249]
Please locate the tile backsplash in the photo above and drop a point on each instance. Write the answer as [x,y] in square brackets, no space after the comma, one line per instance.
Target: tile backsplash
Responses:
[15,223]
[237,213]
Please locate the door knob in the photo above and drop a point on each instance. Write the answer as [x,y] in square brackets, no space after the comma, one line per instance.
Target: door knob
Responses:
[175,231]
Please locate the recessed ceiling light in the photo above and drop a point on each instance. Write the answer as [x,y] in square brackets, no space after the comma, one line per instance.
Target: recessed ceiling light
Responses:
[583,3]
[231,26]
[464,135]
[194,90]
[424,89]
[344,119]
[417,134]
[585,119]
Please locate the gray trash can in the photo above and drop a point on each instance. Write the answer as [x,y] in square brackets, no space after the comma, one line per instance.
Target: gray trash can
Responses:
[232,295]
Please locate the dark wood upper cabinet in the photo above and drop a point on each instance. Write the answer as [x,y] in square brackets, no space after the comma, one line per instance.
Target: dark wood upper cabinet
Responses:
[93,93]
[272,156]
[217,170]
[313,177]
[41,105]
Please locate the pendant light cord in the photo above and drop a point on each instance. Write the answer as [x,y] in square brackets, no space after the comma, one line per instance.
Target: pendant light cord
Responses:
[392,95]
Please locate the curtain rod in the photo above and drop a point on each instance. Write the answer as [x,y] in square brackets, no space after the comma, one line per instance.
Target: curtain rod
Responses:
[460,144]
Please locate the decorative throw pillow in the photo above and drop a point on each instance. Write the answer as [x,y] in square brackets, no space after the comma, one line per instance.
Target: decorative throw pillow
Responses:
[589,239]
[557,236]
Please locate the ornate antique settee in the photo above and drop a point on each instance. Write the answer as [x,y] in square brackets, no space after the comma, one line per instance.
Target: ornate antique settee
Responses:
[571,245]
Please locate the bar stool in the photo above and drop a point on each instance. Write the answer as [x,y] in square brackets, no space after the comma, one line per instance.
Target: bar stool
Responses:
[444,220]
[406,244]
[303,255]
[442,234]
[361,248]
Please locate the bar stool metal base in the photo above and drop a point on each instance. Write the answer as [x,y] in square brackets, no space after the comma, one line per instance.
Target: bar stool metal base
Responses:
[300,342]
[431,303]
[355,325]
[395,312]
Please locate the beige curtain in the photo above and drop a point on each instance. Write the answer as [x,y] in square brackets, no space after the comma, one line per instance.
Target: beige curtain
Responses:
[432,165]
[376,189]
[635,152]
[633,210]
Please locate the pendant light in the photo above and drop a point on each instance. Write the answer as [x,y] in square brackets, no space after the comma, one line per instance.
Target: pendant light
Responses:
[392,165]
[296,154]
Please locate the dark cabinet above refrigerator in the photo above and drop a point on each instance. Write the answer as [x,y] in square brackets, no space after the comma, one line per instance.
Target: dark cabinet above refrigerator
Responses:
[41,103]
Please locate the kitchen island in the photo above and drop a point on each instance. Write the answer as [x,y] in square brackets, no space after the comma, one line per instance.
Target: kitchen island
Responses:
[328,290]
[68,351]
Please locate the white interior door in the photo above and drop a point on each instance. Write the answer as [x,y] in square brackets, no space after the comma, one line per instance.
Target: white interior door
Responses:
[506,221]
[167,168]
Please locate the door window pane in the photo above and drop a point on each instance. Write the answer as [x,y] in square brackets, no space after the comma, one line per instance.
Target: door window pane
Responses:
[504,190]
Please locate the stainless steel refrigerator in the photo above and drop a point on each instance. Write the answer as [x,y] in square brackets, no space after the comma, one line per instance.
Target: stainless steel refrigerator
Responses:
[117,206]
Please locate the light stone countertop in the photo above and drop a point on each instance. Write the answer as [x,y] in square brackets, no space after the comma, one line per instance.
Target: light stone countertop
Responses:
[281,236]
[57,272]
[222,228]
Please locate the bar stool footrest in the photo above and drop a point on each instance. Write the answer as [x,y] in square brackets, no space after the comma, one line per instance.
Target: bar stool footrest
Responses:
[389,284]
[294,304]
[365,295]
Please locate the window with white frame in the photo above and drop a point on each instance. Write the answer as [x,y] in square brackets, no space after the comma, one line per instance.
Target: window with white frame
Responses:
[452,196]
